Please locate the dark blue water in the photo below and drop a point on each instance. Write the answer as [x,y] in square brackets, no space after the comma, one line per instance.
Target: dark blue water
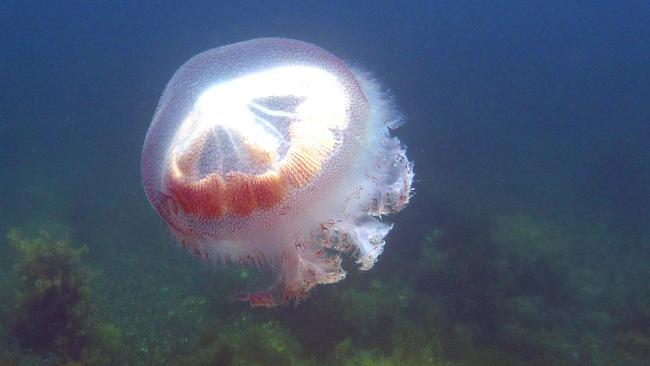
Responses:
[526,242]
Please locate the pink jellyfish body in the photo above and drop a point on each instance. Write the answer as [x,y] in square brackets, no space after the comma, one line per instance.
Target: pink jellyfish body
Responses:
[272,152]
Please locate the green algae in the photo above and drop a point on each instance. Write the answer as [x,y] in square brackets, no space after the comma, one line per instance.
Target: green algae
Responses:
[53,317]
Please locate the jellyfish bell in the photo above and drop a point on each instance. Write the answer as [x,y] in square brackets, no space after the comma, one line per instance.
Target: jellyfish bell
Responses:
[274,153]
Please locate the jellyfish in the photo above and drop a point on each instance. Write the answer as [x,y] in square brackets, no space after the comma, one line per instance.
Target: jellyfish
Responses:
[274,153]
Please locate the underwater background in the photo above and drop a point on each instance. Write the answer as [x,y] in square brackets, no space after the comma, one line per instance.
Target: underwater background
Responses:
[526,242]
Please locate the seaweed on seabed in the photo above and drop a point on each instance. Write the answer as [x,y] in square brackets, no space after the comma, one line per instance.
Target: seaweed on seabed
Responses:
[243,342]
[53,312]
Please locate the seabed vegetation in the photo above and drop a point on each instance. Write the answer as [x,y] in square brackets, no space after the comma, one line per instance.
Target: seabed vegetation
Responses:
[513,289]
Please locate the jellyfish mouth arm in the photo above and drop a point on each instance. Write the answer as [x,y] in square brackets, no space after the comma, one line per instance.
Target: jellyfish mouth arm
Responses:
[299,273]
